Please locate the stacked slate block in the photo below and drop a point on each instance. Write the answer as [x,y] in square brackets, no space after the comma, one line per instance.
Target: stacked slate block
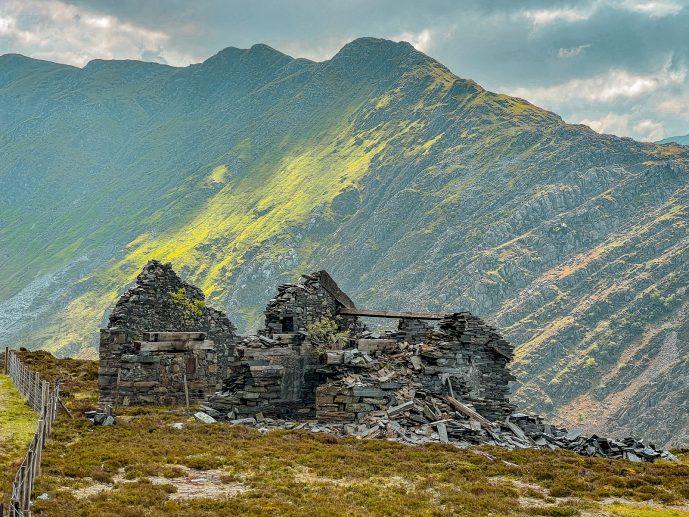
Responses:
[161,302]
[336,402]
[298,305]
[471,357]
[414,331]
[276,377]
[142,372]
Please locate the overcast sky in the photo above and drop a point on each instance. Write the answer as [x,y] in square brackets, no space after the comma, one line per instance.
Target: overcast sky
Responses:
[620,66]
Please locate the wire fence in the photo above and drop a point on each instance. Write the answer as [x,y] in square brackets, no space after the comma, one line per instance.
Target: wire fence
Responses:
[44,399]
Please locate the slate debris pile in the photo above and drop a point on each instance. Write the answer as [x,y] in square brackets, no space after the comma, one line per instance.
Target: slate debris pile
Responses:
[385,389]
[463,358]
[101,417]
[401,425]
[547,436]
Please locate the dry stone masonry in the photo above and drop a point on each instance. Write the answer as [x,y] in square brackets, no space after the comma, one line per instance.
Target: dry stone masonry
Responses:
[163,344]
[298,305]
[284,373]
[434,378]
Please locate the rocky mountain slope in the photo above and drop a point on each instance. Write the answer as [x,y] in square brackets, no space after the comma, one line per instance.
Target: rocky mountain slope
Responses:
[414,188]
[682,140]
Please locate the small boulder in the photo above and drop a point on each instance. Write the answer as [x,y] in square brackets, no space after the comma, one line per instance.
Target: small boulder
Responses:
[204,417]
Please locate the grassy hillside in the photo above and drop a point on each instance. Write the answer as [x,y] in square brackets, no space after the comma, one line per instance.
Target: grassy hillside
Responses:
[144,466]
[415,188]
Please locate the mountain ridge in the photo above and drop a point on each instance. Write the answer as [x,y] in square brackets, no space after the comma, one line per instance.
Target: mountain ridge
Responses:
[415,188]
[681,140]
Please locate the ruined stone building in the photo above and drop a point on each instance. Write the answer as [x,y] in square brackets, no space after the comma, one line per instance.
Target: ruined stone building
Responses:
[163,342]
[434,378]
[163,345]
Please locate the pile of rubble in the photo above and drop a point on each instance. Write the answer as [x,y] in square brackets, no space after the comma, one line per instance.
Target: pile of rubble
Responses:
[402,424]
[411,393]
[383,389]
[101,417]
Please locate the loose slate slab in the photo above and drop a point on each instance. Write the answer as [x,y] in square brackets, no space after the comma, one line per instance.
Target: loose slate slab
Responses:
[204,417]
[396,410]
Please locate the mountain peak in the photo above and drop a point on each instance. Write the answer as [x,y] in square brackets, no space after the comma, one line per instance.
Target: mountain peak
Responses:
[259,51]
[262,48]
[22,60]
[375,57]
[370,47]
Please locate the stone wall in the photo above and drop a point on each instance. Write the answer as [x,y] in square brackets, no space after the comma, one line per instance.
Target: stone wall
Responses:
[151,371]
[161,301]
[280,373]
[298,305]
[162,334]
[276,377]
[154,373]
[474,358]
[276,372]
[414,331]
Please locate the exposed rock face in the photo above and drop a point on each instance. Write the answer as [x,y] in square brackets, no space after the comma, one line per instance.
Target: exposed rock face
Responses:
[155,350]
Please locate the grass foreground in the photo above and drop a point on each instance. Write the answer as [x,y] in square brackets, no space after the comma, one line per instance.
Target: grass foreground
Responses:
[146,466]
[17,427]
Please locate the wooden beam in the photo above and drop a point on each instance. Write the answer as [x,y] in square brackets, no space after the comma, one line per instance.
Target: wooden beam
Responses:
[392,314]
[468,412]
[175,346]
[173,336]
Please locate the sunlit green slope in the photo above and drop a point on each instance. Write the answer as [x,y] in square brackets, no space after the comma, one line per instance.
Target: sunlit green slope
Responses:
[414,188]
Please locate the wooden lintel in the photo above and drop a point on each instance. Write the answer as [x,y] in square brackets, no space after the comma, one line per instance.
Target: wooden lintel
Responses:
[392,314]
[174,336]
[175,346]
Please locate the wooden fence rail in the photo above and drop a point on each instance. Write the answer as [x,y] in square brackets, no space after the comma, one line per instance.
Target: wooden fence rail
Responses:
[43,398]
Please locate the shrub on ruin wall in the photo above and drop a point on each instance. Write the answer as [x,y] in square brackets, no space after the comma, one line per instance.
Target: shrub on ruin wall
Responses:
[324,334]
[190,308]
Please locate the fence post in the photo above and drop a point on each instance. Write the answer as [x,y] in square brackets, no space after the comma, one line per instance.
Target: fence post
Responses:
[6,370]
[24,482]
[39,448]
[37,391]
